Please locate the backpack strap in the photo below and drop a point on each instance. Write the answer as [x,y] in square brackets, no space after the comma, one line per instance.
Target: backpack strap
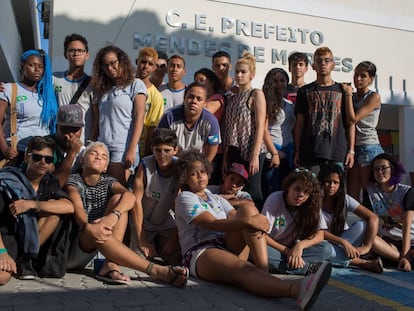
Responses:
[80,90]
[13,117]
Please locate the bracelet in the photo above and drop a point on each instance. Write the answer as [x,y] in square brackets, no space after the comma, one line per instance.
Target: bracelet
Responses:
[351,151]
[116,213]
[275,154]
[3,250]
[149,268]
[346,94]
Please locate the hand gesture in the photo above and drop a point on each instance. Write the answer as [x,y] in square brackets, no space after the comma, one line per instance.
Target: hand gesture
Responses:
[21,206]
[404,265]
[7,263]
[350,250]
[295,260]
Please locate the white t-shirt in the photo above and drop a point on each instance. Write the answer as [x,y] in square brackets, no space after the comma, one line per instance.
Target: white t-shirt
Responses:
[188,206]
[350,205]
[28,109]
[116,115]
[65,89]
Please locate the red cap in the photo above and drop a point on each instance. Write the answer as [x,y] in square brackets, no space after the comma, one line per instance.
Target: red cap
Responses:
[239,169]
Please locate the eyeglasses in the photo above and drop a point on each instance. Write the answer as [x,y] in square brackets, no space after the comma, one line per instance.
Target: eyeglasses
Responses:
[38,157]
[305,171]
[77,51]
[381,168]
[320,61]
[112,64]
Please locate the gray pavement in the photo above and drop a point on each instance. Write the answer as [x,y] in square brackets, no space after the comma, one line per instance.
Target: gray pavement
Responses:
[80,291]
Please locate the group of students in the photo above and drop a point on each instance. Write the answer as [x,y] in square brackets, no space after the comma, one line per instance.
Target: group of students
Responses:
[287,220]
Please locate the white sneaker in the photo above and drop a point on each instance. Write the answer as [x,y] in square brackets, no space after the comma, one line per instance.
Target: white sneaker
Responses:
[312,285]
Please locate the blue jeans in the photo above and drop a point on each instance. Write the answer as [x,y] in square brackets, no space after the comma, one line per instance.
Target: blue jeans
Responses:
[354,235]
[317,253]
[364,154]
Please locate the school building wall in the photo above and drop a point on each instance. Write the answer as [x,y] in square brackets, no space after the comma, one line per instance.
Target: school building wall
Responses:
[380,31]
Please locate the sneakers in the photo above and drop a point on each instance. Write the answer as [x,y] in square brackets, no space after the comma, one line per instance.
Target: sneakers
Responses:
[313,268]
[312,285]
[25,270]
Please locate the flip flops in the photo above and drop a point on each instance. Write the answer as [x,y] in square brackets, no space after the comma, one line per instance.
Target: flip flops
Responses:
[108,279]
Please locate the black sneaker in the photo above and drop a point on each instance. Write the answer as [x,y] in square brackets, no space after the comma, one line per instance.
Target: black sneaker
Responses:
[312,268]
[25,270]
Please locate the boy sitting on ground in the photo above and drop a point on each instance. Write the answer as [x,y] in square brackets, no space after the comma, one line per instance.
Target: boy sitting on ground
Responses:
[155,189]
[101,211]
[232,188]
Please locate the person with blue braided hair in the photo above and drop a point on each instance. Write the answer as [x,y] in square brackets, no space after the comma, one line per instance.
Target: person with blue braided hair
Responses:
[36,105]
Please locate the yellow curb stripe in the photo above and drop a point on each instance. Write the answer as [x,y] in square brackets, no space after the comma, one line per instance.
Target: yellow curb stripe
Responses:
[370,296]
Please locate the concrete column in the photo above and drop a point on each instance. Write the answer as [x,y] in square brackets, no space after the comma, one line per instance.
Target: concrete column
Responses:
[406,129]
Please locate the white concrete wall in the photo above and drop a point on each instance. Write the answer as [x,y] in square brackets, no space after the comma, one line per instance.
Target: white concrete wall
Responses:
[10,44]
[381,31]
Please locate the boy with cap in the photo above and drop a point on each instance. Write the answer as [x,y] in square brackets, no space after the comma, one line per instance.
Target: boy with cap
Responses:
[68,141]
[233,182]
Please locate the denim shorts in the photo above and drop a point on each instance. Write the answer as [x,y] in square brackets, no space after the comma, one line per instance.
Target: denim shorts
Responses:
[119,157]
[364,154]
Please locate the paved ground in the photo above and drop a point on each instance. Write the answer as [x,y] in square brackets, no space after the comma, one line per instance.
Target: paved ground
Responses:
[347,290]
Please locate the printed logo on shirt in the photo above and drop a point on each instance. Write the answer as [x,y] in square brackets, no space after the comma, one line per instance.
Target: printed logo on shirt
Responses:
[165,101]
[156,195]
[58,89]
[280,222]
[21,98]
[213,139]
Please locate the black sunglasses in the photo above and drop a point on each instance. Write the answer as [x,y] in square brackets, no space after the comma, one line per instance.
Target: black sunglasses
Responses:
[38,157]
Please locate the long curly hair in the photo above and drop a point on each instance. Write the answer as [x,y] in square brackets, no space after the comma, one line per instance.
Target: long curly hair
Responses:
[397,169]
[185,160]
[274,99]
[307,215]
[100,81]
[339,212]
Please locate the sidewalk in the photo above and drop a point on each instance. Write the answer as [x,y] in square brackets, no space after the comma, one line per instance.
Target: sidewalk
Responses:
[80,291]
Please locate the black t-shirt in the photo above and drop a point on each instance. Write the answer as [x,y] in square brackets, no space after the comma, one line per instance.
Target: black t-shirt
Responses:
[324,135]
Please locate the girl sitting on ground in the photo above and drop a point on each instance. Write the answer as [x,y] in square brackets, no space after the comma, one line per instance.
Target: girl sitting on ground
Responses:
[348,243]
[393,203]
[295,243]
[216,240]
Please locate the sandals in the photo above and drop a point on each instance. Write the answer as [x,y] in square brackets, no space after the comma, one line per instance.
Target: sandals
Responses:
[178,275]
[373,265]
[107,278]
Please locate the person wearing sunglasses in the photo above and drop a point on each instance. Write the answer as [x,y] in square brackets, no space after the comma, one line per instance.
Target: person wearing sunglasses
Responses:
[30,206]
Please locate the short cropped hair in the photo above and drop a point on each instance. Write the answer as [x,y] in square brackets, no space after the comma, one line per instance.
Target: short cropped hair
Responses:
[164,136]
[147,51]
[298,57]
[39,143]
